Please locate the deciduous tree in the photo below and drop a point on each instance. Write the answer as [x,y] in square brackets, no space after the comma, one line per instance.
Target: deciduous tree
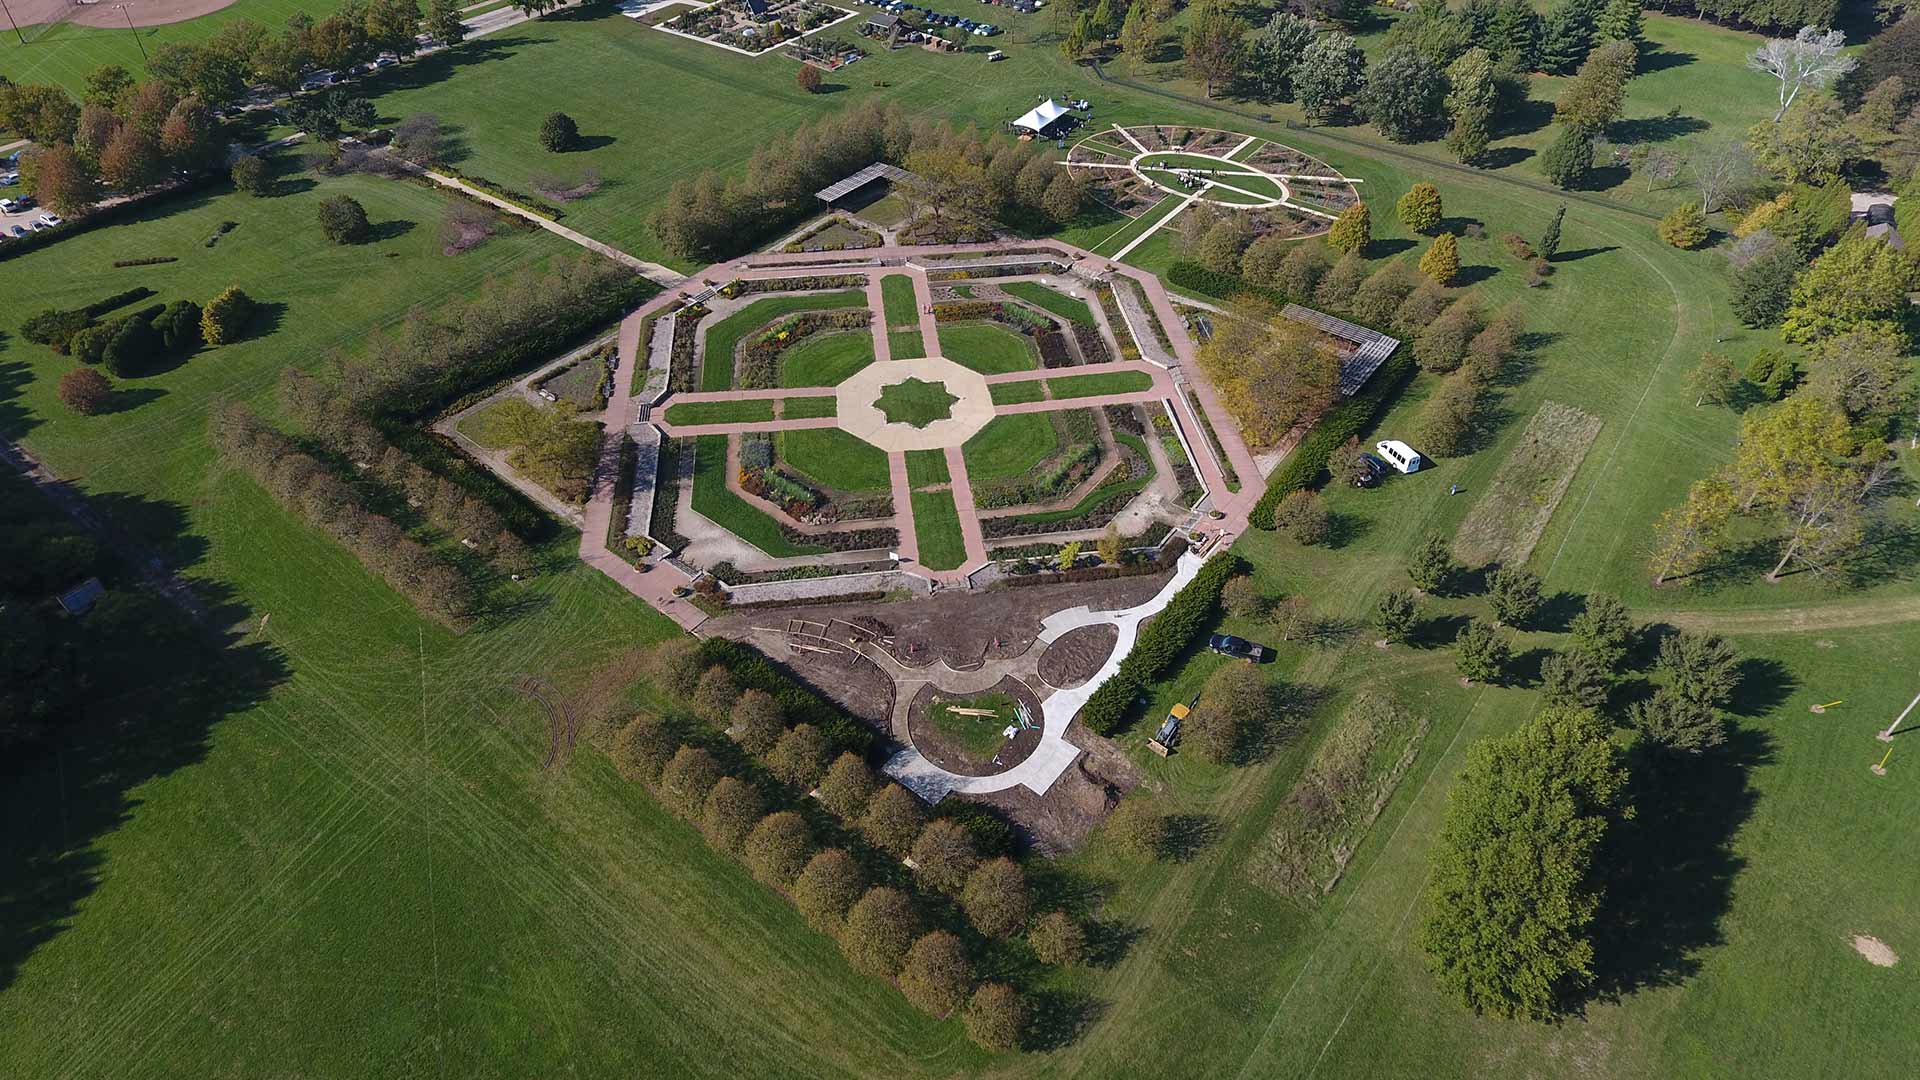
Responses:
[1574,678]
[344,221]
[995,1017]
[1432,565]
[1396,615]
[995,898]
[1442,260]
[847,787]
[827,889]
[944,855]
[1331,72]
[1480,653]
[1404,95]
[732,809]
[1057,939]
[1352,231]
[1420,209]
[800,757]
[936,974]
[1811,58]
[1138,827]
[879,930]
[778,848]
[1213,43]
[85,391]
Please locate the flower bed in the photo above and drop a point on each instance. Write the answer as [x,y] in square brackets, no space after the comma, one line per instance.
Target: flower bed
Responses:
[824,237]
[1227,472]
[1092,346]
[733,24]
[1128,350]
[1079,457]
[1053,349]
[758,365]
[666,495]
[683,375]
[746,286]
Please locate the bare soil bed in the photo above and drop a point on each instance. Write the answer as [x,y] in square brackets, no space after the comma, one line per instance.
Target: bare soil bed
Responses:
[962,628]
[1063,818]
[854,683]
[949,754]
[141,12]
[1076,655]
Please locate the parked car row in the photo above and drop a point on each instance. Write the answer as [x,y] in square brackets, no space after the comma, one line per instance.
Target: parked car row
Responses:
[929,17]
[320,80]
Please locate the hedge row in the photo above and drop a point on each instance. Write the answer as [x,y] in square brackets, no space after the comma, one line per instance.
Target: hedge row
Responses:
[1306,467]
[1159,645]
[107,215]
[754,671]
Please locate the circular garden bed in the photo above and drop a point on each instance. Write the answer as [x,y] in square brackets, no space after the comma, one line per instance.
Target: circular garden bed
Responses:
[1076,655]
[972,745]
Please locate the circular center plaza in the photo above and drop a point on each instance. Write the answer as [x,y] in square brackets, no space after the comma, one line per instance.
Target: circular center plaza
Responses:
[917,416]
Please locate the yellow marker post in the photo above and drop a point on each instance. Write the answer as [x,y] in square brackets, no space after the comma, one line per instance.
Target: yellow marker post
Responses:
[1881,769]
[1829,704]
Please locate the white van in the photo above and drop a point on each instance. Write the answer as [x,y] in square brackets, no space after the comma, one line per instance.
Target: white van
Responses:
[1401,456]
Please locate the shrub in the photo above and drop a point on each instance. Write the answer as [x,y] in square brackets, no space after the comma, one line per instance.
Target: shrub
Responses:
[685,781]
[1514,595]
[778,848]
[132,347]
[1431,566]
[674,666]
[179,327]
[249,174]
[714,695]
[936,974]
[733,806]
[1420,208]
[755,722]
[800,757]
[1773,373]
[1442,260]
[879,929]
[344,221]
[558,132]
[226,317]
[1685,227]
[1480,653]
[994,1017]
[995,898]
[85,391]
[827,889]
[1303,515]
[643,747]
[944,855]
[1158,645]
[847,787]
[1138,828]
[893,819]
[1057,939]
[1352,231]
[809,78]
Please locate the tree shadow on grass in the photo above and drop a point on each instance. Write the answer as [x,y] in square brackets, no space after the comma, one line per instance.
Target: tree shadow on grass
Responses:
[1669,871]
[1558,611]
[1382,249]
[1474,275]
[1190,834]
[1664,59]
[1501,157]
[173,679]
[1346,529]
[391,230]
[127,399]
[1764,686]
[1581,253]
[1057,1018]
[1437,632]
[1655,128]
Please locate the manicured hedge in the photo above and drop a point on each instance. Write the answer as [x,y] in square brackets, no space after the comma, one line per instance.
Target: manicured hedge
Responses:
[1306,467]
[802,706]
[1188,275]
[1159,645]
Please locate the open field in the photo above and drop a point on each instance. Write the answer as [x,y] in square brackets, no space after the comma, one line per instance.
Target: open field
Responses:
[1015,393]
[367,872]
[1112,382]
[720,412]
[896,292]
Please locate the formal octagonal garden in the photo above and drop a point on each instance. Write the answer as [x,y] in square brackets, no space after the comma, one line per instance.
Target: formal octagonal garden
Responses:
[923,417]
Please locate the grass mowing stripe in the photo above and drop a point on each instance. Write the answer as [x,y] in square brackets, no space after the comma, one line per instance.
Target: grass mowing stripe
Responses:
[713,499]
[1010,446]
[826,359]
[745,411]
[906,344]
[716,367]
[988,348]
[809,408]
[1042,297]
[1016,393]
[834,458]
[896,291]
[936,530]
[1105,382]
[925,467]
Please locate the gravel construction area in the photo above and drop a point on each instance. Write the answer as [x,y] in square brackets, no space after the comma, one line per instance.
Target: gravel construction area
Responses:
[1063,818]
[959,627]
[1075,656]
[949,754]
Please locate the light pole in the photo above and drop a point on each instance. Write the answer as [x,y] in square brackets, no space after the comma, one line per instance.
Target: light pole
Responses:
[10,22]
[135,33]
[1887,735]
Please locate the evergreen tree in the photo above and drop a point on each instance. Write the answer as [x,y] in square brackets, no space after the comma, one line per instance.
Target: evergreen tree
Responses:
[1480,653]
[1352,231]
[1618,21]
[1442,260]
[1432,564]
[1404,95]
[1568,160]
[1332,70]
[1513,35]
[1566,36]
[1550,240]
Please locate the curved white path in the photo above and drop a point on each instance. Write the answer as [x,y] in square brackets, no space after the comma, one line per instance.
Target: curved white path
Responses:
[1054,754]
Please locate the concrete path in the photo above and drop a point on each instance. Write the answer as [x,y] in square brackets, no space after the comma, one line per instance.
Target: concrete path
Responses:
[1055,754]
[664,276]
[902,488]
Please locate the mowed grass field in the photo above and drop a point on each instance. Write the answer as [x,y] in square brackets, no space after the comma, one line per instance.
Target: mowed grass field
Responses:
[370,873]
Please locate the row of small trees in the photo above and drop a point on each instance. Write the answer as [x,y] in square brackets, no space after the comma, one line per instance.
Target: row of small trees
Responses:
[128,144]
[962,173]
[308,487]
[884,930]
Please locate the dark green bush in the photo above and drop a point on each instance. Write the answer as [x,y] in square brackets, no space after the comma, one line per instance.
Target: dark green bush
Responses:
[1159,645]
[799,705]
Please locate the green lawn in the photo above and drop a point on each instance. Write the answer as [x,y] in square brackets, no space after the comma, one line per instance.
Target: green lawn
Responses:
[906,344]
[1108,382]
[976,736]
[713,499]
[926,467]
[834,458]
[745,411]
[1015,393]
[1059,303]
[488,426]
[721,338]
[896,290]
[64,53]
[826,359]
[797,408]
[916,402]
[1010,446]
[889,210]
[987,348]
[936,530]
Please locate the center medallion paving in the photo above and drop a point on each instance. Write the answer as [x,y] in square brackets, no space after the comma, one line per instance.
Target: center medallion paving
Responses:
[909,422]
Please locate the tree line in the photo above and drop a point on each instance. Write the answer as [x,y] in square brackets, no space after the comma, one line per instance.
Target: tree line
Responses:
[961,172]
[126,137]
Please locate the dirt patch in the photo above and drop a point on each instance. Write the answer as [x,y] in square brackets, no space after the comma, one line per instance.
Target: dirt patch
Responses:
[854,683]
[953,757]
[1875,950]
[963,628]
[1076,655]
[1063,818]
[141,12]
[1513,512]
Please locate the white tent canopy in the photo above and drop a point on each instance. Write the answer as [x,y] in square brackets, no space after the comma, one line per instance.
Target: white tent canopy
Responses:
[1041,117]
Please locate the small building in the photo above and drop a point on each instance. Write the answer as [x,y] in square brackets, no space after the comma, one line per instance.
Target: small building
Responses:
[1042,119]
[882,25]
[758,8]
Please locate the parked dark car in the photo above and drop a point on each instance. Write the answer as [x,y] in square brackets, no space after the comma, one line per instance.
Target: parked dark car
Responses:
[1239,647]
